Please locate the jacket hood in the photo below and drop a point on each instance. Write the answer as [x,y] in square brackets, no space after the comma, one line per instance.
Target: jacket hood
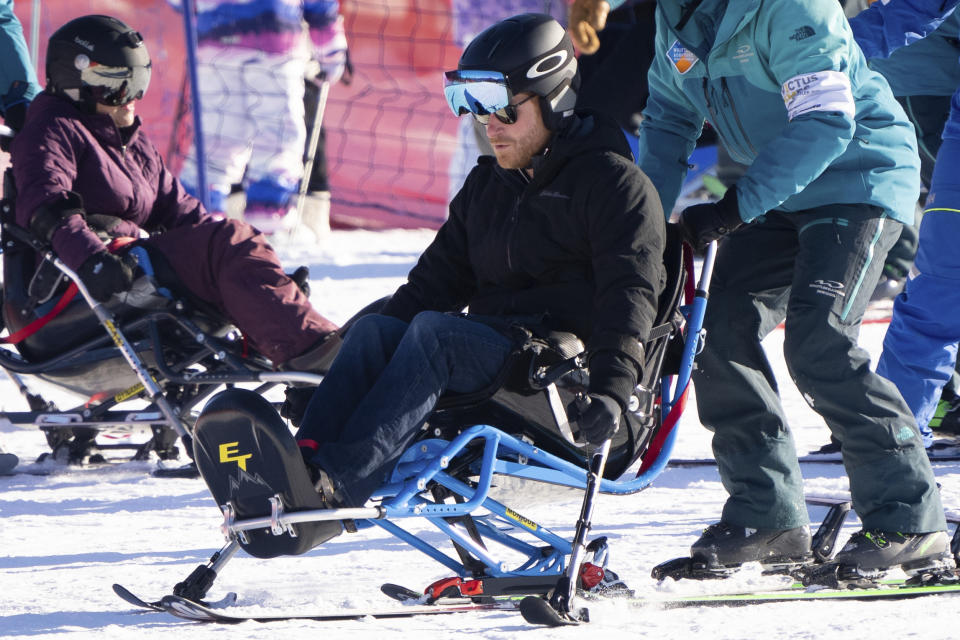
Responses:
[700,24]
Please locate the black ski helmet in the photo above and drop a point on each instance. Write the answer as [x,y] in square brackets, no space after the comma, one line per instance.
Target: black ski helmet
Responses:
[97,59]
[536,55]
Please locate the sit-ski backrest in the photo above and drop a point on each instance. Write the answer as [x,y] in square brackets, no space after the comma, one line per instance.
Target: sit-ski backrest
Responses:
[662,351]
[20,262]
[74,324]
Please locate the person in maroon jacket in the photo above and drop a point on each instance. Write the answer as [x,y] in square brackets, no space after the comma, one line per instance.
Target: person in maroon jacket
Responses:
[85,172]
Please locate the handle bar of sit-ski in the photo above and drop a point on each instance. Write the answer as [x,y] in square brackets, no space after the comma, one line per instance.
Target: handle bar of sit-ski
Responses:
[698,309]
[123,345]
[563,601]
[695,317]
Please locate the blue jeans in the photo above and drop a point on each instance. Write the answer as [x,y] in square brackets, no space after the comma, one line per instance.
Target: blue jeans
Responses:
[384,384]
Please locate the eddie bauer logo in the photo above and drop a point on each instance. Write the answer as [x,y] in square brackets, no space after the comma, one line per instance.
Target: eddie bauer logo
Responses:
[743,54]
[830,288]
[230,453]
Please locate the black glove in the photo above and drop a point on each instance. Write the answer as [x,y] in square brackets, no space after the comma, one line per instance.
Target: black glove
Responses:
[701,224]
[15,115]
[105,274]
[13,118]
[598,416]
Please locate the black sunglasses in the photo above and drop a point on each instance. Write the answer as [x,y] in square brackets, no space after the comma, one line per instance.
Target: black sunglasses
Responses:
[506,115]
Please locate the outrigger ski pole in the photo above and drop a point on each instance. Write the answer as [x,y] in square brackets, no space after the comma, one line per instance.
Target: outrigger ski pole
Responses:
[560,608]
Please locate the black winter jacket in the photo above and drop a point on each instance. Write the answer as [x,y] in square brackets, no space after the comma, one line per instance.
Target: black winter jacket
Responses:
[580,245]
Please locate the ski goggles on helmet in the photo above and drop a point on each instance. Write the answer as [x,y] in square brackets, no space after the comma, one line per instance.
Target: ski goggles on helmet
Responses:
[482,94]
[117,85]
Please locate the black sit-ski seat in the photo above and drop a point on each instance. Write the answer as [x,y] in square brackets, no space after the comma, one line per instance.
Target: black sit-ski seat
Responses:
[542,378]
[187,349]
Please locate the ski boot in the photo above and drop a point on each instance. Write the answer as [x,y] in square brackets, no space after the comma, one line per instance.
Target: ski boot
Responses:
[253,467]
[946,418]
[869,554]
[724,547]
[912,552]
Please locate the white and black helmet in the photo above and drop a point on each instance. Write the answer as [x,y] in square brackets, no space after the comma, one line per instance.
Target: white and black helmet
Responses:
[535,55]
[97,59]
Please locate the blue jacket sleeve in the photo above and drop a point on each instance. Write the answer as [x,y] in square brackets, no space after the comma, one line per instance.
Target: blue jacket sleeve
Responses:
[886,26]
[18,80]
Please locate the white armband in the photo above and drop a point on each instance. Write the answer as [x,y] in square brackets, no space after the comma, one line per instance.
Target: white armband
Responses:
[820,91]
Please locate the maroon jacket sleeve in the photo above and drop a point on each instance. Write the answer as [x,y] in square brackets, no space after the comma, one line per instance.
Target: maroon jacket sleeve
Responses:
[45,158]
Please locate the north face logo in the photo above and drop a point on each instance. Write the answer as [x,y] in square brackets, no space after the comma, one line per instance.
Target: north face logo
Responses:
[803,33]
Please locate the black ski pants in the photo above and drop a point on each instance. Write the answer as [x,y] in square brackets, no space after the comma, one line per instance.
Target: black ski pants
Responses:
[814,270]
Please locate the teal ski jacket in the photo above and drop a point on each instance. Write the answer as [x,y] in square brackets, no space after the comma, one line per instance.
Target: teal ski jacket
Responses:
[789,93]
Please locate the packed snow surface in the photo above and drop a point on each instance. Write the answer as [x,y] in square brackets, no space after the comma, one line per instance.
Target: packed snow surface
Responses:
[66,537]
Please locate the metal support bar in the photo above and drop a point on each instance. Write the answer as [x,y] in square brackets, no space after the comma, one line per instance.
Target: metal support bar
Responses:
[126,350]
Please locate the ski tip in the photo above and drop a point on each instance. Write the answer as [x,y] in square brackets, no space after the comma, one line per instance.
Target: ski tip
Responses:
[401,593]
[129,597]
[190,610]
[536,610]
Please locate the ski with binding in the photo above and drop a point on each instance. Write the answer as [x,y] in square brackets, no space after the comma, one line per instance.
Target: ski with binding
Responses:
[189,610]
[156,605]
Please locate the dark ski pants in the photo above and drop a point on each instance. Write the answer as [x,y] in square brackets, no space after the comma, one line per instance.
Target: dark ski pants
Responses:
[230,265]
[386,379]
[815,270]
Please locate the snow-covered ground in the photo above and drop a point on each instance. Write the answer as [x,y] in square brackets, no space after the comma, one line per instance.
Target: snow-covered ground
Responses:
[65,538]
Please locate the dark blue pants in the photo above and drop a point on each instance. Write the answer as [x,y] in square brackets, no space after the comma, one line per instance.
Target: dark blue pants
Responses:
[384,384]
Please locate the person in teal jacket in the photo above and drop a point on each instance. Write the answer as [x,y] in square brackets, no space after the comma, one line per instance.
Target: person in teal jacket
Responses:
[833,173]
[18,86]
[18,80]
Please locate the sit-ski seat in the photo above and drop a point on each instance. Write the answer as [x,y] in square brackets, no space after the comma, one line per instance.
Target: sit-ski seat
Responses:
[170,349]
[101,368]
[525,403]
[34,290]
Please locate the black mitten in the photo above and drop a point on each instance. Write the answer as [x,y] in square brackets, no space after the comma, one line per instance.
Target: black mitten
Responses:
[105,274]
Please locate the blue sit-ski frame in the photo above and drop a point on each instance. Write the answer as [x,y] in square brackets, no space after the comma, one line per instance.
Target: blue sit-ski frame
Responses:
[425,463]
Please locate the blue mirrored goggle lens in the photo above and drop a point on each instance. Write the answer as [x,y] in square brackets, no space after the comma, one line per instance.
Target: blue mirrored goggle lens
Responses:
[479,93]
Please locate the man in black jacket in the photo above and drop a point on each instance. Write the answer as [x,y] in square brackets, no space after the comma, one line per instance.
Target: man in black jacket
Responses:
[560,230]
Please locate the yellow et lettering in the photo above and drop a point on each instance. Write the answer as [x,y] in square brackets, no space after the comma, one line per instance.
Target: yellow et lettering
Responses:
[229,453]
